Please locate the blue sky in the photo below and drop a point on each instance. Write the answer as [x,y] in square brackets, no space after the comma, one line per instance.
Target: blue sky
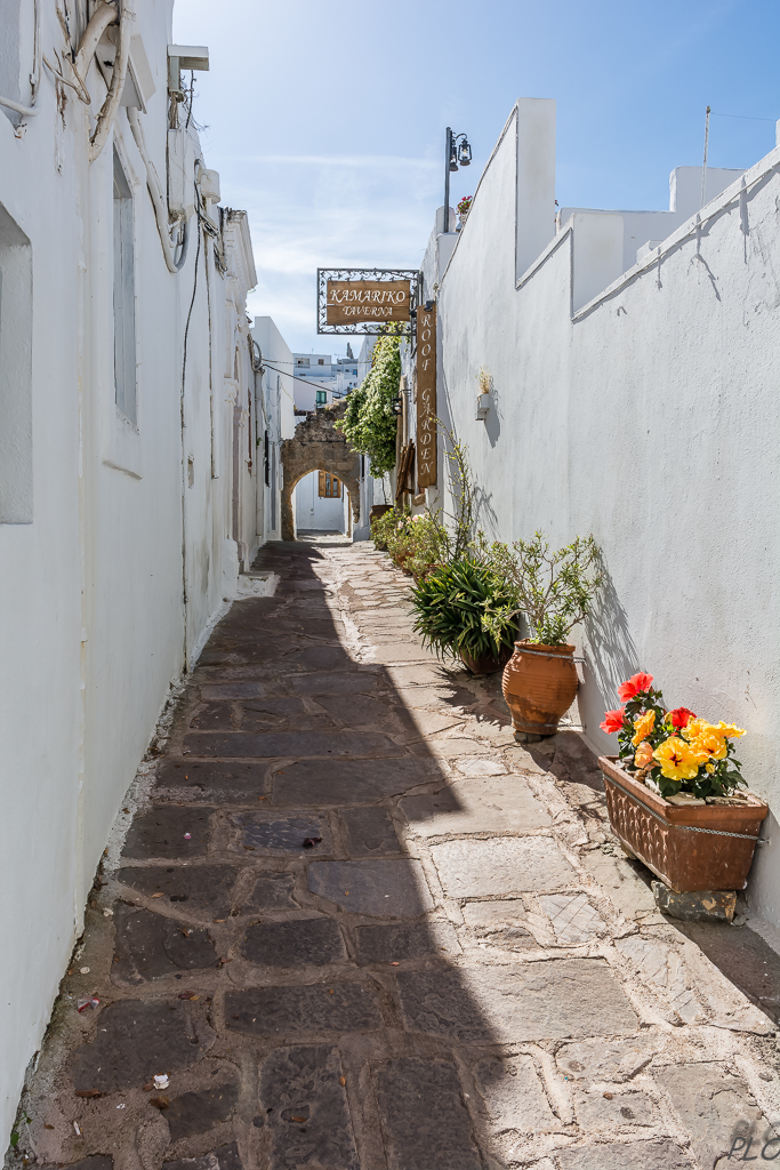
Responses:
[326,121]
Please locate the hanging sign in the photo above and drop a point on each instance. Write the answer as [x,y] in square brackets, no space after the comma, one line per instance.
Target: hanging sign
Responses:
[352,301]
[364,300]
[426,398]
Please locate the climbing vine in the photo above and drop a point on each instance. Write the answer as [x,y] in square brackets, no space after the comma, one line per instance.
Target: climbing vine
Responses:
[369,424]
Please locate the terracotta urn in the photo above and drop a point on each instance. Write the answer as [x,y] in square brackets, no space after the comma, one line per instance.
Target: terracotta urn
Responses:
[696,845]
[539,685]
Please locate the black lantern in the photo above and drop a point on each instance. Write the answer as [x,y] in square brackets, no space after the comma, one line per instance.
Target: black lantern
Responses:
[457,153]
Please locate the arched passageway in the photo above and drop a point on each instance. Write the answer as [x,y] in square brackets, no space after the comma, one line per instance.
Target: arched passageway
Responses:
[321,503]
[316,445]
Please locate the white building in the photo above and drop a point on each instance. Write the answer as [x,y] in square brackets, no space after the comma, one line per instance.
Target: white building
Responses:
[330,378]
[322,504]
[274,361]
[131,422]
[633,359]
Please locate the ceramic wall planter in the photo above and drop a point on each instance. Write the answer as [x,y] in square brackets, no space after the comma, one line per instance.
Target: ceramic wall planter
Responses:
[539,685]
[690,846]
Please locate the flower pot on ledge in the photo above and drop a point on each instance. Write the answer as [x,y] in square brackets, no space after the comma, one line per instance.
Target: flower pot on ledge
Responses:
[696,846]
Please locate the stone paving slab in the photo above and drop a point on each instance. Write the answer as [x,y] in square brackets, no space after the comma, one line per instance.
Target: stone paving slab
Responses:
[320,783]
[195,889]
[291,1011]
[363,929]
[475,868]
[549,1000]
[424,1118]
[484,806]
[303,1097]
[135,1040]
[654,1155]
[386,889]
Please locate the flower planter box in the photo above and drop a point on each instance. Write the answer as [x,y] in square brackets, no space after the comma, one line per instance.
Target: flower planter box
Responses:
[689,847]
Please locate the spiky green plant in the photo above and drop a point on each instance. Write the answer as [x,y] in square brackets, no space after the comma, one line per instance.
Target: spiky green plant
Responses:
[465,607]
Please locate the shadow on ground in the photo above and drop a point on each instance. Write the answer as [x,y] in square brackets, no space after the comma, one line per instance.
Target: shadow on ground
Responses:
[321,948]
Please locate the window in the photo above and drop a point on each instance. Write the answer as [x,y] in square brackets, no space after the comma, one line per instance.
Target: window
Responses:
[16,452]
[322,397]
[329,485]
[320,361]
[303,362]
[124,296]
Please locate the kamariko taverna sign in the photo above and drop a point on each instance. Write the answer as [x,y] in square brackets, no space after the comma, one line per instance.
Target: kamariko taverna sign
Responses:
[364,300]
[367,300]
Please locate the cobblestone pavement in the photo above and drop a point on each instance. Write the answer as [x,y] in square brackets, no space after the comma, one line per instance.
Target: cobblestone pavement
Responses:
[357,926]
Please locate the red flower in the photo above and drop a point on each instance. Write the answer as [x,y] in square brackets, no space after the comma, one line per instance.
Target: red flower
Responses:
[637,682]
[680,717]
[613,720]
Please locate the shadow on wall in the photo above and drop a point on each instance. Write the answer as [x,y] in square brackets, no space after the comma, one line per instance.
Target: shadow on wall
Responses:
[611,654]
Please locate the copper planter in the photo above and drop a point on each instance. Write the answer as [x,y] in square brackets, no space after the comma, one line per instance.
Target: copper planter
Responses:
[539,685]
[689,847]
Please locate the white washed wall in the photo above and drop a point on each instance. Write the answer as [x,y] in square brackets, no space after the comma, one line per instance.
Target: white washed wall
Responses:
[316,512]
[92,620]
[649,419]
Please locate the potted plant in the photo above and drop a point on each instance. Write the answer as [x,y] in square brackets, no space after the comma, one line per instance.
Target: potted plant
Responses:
[484,400]
[464,207]
[467,610]
[672,792]
[554,591]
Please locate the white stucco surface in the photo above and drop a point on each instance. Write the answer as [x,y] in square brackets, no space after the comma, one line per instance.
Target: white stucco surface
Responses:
[106,525]
[646,413]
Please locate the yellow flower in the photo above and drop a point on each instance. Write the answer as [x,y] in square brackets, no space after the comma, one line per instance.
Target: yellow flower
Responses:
[694,728]
[642,727]
[708,746]
[709,768]
[727,730]
[643,755]
[676,759]
[697,728]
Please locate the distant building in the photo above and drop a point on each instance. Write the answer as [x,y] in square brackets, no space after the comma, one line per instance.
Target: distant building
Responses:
[331,378]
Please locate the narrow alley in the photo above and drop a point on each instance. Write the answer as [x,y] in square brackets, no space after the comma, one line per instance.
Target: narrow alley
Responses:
[355,926]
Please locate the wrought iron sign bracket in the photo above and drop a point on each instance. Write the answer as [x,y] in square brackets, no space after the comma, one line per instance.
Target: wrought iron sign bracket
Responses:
[373,276]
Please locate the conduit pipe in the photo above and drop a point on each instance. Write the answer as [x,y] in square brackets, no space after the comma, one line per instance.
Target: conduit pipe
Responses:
[106,116]
[159,201]
[103,16]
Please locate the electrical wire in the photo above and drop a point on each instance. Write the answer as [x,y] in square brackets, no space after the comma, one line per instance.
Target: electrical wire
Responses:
[303,381]
[80,89]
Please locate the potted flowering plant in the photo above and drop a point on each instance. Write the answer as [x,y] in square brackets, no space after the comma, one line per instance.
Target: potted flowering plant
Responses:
[673,792]
[464,207]
[554,590]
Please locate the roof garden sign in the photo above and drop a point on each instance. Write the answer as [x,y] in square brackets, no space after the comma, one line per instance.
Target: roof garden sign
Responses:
[364,300]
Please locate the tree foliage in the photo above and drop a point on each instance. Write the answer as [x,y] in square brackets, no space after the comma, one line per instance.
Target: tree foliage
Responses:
[369,424]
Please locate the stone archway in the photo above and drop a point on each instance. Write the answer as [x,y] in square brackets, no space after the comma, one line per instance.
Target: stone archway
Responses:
[318,446]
